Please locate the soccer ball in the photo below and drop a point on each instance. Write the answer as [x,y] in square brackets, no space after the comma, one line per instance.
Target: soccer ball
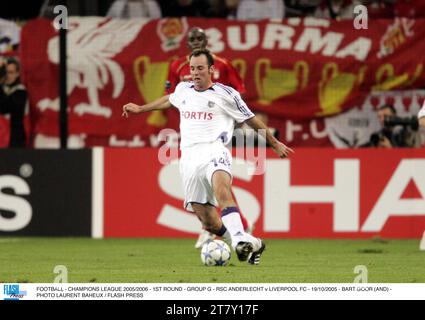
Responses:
[215,253]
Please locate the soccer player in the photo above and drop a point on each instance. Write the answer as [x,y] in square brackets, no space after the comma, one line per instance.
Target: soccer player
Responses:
[224,73]
[207,114]
[421,116]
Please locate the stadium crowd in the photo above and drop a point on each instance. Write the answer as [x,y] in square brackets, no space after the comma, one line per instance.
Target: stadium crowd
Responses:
[241,9]
[232,9]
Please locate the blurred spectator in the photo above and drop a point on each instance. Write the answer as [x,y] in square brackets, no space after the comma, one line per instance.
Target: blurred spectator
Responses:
[336,9]
[13,100]
[9,37]
[379,9]
[395,131]
[260,9]
[409,8]
[223,8]
[134,8]
[300,8]
[75,8]
[232,8]
[185,8]
[20,10]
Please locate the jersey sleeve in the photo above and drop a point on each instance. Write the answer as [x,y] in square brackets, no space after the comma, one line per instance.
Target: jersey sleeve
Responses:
[176,97]
[235,106]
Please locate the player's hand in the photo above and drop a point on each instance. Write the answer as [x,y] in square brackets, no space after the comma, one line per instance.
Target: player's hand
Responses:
[130,108]
[282,150]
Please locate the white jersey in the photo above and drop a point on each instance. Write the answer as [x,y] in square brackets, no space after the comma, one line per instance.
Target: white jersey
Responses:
[422,111]
[209,115]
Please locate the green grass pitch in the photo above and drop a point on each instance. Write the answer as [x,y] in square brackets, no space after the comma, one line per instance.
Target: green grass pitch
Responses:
[176,261]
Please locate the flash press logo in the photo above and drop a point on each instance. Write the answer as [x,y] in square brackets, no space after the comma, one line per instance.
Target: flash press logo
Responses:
[12,292]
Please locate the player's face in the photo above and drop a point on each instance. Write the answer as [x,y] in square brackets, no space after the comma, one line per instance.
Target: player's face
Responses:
[200,72]
[196,40]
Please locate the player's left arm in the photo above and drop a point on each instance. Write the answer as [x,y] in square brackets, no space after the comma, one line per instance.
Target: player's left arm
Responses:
[281,149]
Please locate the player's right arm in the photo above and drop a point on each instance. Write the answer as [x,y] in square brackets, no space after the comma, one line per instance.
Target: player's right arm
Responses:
[159,104]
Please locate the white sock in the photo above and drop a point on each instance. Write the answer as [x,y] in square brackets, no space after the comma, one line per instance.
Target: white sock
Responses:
[227,238]
[232,221]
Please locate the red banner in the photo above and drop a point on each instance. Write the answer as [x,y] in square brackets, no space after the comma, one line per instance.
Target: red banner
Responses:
[298,68]
[353,195]
[4,132]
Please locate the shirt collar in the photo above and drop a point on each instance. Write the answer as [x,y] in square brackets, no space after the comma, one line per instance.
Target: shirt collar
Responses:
[210,88]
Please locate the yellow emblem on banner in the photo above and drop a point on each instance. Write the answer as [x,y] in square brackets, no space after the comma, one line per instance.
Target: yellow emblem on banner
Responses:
[151,85]
[335,87]
[387,80]
[277,83]
[416,74]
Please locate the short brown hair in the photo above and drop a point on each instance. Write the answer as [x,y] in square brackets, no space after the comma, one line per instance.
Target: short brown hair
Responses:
[207,53]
